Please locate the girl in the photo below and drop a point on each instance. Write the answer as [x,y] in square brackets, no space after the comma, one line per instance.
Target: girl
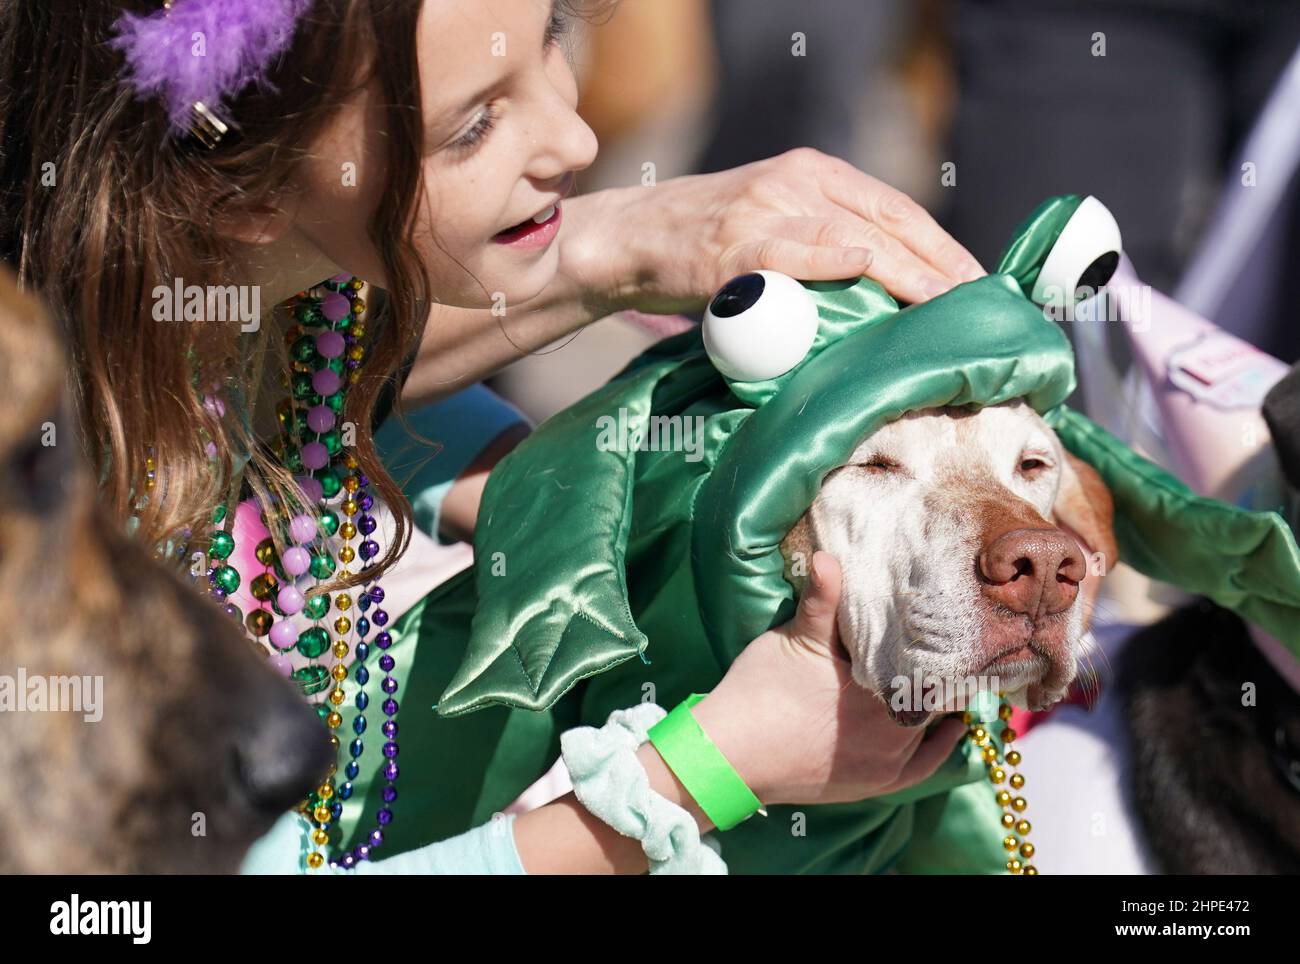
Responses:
[153,147]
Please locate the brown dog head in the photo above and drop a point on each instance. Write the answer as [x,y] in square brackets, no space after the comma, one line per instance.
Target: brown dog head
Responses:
[139,731]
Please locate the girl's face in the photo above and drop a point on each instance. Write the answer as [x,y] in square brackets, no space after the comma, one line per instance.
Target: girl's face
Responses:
[502,145]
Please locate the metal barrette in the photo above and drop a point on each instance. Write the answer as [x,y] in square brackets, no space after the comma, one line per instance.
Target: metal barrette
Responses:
[207,128]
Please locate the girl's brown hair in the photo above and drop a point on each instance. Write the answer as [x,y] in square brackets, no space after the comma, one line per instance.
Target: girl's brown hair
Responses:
[98,206]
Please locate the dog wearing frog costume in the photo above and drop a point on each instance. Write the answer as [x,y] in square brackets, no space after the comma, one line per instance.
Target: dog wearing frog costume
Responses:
[605,575]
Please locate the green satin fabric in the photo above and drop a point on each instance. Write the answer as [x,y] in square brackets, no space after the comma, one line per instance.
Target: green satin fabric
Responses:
[606,575]
[1033,239]
[1245,561]
[455,773]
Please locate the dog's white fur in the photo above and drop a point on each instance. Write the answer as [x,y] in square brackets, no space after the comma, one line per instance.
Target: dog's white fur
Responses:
[907,517]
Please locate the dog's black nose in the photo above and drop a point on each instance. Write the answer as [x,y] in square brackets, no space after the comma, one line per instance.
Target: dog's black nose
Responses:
[283,755]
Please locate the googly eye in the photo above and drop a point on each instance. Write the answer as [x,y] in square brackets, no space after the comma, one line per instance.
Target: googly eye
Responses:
[759,325]
[1083,258]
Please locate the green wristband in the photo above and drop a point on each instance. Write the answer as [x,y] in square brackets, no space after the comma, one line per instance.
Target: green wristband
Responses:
[700,766]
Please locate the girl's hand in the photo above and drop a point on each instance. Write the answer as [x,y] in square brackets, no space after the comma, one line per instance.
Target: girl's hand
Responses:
[670,247]
[790,719]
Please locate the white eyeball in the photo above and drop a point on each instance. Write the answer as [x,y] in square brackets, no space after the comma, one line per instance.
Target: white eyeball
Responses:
[1083,258]
[759,325]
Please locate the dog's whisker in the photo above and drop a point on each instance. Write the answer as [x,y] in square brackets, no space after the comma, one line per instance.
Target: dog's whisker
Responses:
[1099,655]
[1089,681]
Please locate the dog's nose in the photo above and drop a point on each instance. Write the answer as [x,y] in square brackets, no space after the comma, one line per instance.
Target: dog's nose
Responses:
[283,755]
[1032,571]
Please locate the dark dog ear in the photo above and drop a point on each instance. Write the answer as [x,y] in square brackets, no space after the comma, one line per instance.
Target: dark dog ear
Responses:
[1281,410]
[1084,508]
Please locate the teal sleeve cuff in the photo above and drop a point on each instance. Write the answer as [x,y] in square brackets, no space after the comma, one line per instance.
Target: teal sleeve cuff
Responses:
[611,783]
[457,428]
[281,850]
[488,849]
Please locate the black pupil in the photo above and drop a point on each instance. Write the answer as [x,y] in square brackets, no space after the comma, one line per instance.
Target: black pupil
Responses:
[737,295]
[1099,272]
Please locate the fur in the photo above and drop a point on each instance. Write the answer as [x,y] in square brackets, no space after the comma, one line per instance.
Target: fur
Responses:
[1210,779]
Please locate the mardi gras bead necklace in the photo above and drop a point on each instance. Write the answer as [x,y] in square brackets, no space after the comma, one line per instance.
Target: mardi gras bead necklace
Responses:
[1016,826]
[326,351]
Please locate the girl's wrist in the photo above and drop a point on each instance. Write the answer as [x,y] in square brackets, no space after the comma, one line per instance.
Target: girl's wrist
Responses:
[666,784]
[597,251]
[732,733]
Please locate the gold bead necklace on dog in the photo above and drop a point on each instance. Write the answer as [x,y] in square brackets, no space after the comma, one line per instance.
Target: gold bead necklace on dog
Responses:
[1008,796]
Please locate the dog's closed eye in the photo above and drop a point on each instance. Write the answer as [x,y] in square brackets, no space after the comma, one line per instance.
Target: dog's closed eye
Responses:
[1032,466]
[881,464]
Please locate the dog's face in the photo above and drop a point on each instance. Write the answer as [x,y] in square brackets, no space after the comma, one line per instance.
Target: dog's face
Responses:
[182,746]
[959,533]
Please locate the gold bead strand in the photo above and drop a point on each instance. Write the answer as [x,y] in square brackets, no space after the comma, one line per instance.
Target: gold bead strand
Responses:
[1007,788]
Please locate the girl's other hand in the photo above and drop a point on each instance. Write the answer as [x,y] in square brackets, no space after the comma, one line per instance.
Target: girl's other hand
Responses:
[798,729]
[670,247]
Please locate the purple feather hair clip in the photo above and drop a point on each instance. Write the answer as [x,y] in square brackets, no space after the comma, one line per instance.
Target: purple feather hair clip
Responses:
[197,54]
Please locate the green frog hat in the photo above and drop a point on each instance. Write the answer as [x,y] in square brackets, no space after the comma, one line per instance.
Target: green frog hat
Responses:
[632,546]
